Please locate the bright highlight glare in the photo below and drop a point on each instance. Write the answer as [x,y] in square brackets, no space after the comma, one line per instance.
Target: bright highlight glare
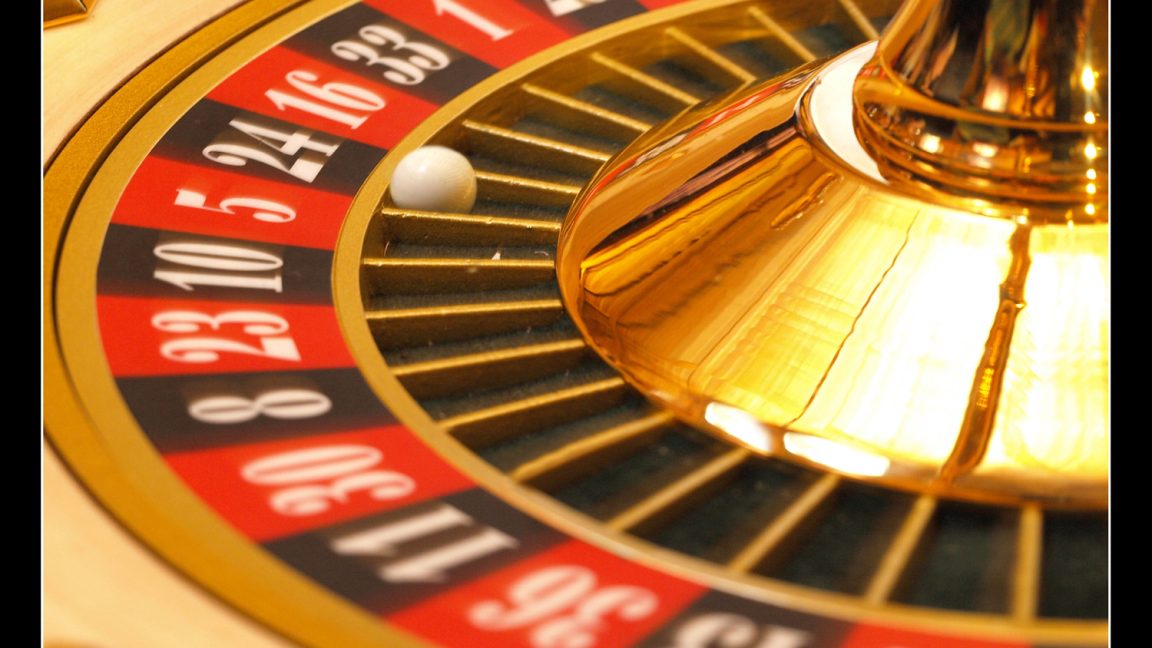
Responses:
[930,143]
[836,455]
[995,95]
[1089,117]
[740,425]
[832,109]
[1054,411]
[1090,151]
[1088,78]
[985,150]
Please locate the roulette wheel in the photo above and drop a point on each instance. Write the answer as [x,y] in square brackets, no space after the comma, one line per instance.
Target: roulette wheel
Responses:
[306,413]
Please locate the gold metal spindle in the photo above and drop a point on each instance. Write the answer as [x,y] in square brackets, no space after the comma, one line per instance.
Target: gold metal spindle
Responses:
[994,107]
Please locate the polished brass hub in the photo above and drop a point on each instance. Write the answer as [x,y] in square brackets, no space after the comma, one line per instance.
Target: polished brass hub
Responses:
[998,108]
[756,270]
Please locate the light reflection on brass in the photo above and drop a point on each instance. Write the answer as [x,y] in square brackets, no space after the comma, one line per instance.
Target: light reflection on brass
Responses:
[59,12]
[841,457]
[989,104]
[984,398]
[1060,348]
[739,272]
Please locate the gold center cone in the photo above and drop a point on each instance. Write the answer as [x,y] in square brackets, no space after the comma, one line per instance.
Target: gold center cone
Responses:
[923,302]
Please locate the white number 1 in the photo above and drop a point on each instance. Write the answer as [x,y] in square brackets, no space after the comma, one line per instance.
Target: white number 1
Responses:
[561,7]
[454,8]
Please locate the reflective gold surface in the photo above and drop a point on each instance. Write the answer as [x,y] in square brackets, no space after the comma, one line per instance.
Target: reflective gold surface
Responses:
[750,268]
[58,12]
[998,106]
